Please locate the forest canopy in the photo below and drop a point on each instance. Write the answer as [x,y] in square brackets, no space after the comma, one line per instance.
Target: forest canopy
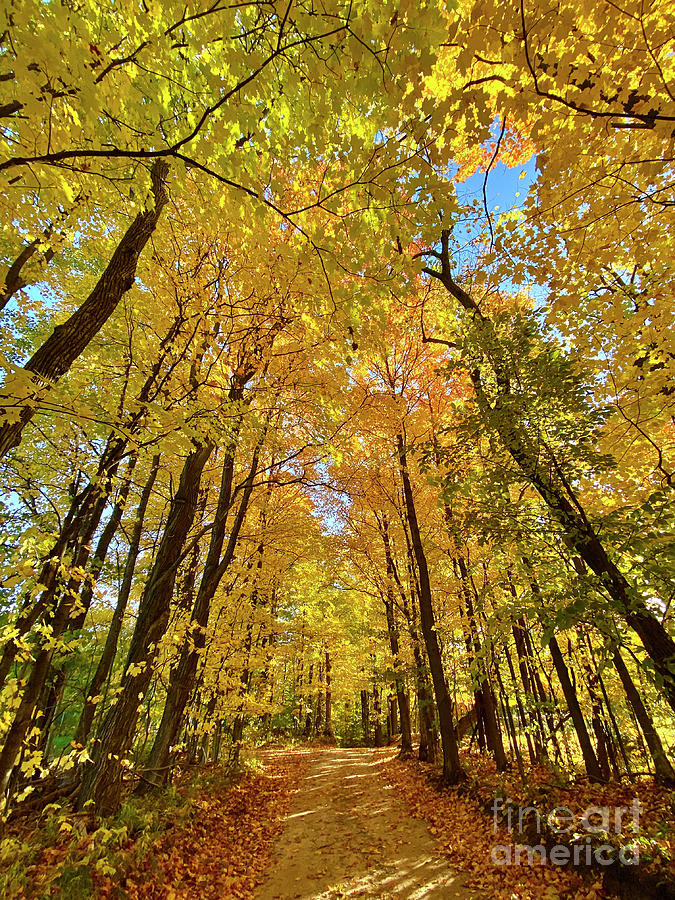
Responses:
[337,385]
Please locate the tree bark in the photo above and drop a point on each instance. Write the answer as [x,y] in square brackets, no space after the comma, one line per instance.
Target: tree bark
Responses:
[183,675]
[102,777]
[662,766]
[377,718]
[425,704]
[365,717]
[590,759]
[110,647]
[57,354]
[452,770]
[328,723]
[392,629]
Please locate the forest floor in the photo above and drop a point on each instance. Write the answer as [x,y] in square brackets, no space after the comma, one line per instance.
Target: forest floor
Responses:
[366,824]
[324,823]
[347,835]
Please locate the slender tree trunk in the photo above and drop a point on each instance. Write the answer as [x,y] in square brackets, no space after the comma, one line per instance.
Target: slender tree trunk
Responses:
[605,749]
[307,732]
[393,715]
[86,509]
[519,706]
[110,647]
[14,280]
[318,721]
[510,724]
[392,628]
[483,689]
[182,678]
[590,759]
[365,717]
[452,770]
[78,529]
[64,608]
[662,766]
[425,704]
[57,679]
[377,718]
[328,723]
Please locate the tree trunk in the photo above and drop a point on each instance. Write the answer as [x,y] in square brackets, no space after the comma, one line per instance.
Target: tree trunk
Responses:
[57,354]
[662,767]
[392,628]
[377,718]
[182,678]
[425,704]
[365,717]
[63,609]
[328,724]
[57,679]
[102,777]
[77,530]
[590,760]
[318,721]
[519,706]
[110,647]
[307,731]
[86,507]
[452,770]
[484,690]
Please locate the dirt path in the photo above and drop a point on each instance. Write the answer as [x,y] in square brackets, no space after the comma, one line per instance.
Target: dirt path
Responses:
[347,835]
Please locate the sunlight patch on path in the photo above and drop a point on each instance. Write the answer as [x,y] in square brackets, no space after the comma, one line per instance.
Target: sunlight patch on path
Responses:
[347,835]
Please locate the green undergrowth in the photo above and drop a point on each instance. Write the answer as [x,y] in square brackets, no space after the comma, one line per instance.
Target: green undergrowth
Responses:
[58,853]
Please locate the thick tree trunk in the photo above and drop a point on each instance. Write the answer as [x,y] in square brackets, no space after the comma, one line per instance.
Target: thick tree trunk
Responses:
[57,354]
[183,675]
[102,777]
[452,770]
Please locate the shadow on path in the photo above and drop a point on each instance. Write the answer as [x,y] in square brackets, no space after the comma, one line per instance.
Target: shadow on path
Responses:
[348,835]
